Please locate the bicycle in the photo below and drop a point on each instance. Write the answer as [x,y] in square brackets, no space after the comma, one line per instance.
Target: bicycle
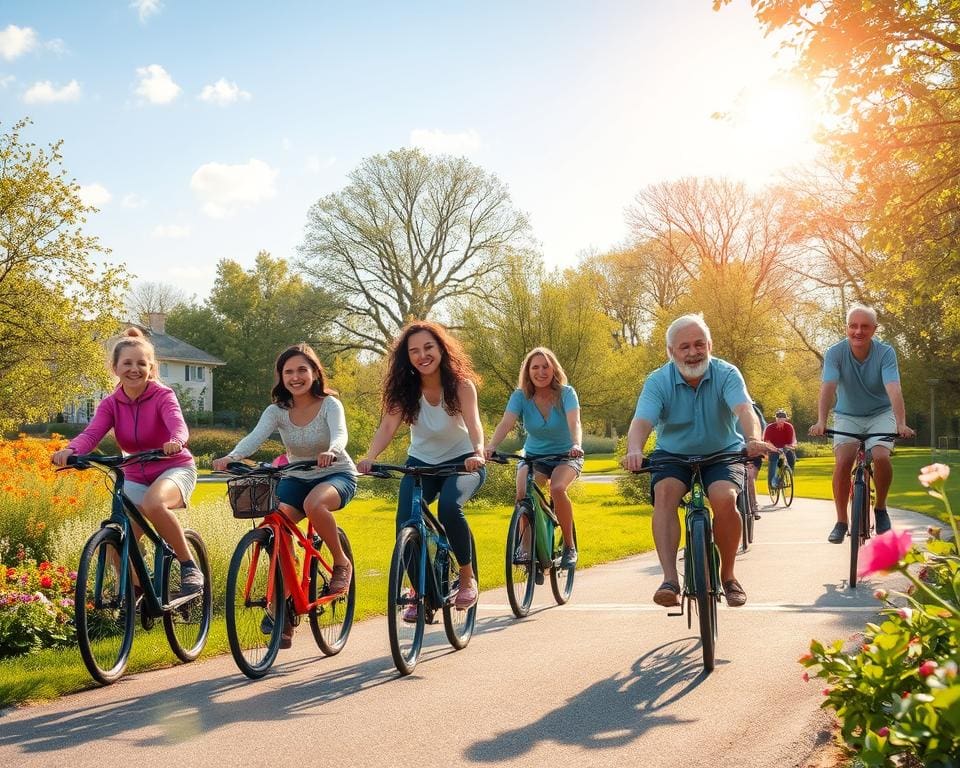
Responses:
[862,474]
[534,543]
[701,558]
[264,568]
[106,600]
[782,482]
[422,548]
[748,516]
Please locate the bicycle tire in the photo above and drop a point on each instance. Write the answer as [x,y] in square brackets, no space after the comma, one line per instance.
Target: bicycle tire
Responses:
[188,625]
[406,639]
[561,579]
[703,588]
[331,622]
[773,487]
[858,513]
[521,571]
[248,613]
[459,624]
[103,616]
[746,516]
[787,486]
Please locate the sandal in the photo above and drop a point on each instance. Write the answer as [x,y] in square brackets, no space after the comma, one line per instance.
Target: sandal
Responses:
[734,593]
[667,595]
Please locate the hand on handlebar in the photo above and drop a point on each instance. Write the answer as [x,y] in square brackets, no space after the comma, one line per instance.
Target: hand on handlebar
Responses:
[489,450]
[576,451]
[633,461]
[904,431]
[60,457]
[326,458]
[816,430]
[473,463]
[364,465]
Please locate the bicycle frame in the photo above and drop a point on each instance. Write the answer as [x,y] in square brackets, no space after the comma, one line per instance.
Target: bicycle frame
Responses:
[695,508]
[541,504]
[430,531]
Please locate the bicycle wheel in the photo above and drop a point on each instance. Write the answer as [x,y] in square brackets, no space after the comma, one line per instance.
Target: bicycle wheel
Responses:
[255,606]
[104,613]
[773,486]
[187,625]
[459,624]
[406,637]
[787,486]
[859,512]
[331,622]
[746,518]
[700,545]
[520,564]
[561,579]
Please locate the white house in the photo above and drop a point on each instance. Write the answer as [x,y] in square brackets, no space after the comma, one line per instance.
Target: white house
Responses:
[182,366]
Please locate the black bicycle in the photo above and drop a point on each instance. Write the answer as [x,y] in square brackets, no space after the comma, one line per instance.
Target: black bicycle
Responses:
[535,542]
[701,558]
[781,482]
[106,599]
[424,574]
[860,523]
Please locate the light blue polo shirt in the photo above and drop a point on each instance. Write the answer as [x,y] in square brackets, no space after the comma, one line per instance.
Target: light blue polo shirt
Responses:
[861,387]
[550,435]
[694,422]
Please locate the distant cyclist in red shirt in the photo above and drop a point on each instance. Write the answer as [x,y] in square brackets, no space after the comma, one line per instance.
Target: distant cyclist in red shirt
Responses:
[781,434]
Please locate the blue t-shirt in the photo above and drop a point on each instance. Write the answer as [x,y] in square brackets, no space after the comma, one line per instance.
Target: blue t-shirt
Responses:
[861,387]
[694,422]
[550,435]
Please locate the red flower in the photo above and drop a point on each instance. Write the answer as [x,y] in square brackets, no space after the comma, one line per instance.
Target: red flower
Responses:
[883,553]
[927,668]
[884,731]
[46,581]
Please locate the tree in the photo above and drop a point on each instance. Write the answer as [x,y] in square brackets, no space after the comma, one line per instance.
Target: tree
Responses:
[57,305]
[408,234]
[146,297]
[250,317]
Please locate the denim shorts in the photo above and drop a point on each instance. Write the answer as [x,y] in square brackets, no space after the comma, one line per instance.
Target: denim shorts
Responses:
[293,491]
[546,467]
[734,473]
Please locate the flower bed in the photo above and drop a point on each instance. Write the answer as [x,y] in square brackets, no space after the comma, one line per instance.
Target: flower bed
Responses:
[36,606]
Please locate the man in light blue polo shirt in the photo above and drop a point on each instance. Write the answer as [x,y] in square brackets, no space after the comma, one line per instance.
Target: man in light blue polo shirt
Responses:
[862,372]
[696,402]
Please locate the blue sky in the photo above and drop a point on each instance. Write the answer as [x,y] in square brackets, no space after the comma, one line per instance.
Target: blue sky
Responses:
[205,130]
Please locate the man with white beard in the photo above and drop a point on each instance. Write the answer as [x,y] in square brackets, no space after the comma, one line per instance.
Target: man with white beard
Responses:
[695,402]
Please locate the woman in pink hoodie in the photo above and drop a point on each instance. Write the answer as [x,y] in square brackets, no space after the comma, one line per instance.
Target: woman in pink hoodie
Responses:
[145,415]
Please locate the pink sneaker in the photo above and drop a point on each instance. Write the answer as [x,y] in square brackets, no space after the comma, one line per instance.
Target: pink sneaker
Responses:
[467,596]
[410,612]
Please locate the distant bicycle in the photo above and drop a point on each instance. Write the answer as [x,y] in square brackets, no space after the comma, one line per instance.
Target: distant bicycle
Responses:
[781,484]
[535,543]
[106,599]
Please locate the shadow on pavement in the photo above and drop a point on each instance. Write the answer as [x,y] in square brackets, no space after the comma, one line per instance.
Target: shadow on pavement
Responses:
[612,712]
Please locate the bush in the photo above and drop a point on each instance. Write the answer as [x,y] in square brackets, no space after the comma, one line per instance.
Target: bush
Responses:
[36,606]
[813,450]
[208,443]
[635,489]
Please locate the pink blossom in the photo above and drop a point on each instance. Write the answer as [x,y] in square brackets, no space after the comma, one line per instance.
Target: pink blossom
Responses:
[927,668]
[826,691]
[881,594]
[933,474]
[906,613]
[805,658]
[883,553]
[806,677]
[883,731]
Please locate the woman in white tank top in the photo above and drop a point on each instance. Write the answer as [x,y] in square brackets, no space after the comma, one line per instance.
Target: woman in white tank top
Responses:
[430,386]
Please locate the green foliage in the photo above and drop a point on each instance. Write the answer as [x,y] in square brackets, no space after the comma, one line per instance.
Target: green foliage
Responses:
[36,606]
[56,307]
[208,443]
[635,488]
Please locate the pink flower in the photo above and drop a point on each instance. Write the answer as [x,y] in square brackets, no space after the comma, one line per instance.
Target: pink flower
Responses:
[927,668]
[805,658]
[883,731]
[883,553]
[934,473]
[906,613]
[826,691]
[806,677]
[881,594]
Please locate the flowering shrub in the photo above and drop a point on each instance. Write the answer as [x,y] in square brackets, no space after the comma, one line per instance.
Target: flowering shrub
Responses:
[36,606]
[898,696]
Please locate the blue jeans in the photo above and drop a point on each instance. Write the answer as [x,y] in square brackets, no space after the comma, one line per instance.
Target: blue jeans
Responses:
[773,463]
[454,491]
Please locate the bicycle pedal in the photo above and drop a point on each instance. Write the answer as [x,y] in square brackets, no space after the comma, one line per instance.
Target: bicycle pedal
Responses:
[538,576]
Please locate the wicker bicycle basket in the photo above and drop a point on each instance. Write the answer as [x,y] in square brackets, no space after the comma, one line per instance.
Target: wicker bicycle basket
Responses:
[251,496]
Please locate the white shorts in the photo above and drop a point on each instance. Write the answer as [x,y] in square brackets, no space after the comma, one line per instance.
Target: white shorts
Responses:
[185,478]
[861,425]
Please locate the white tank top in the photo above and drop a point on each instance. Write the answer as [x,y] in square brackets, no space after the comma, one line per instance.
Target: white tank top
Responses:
[436,437]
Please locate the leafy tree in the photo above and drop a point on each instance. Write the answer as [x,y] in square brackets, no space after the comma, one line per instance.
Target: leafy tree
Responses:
[57,303]
[250,317]
[405,236]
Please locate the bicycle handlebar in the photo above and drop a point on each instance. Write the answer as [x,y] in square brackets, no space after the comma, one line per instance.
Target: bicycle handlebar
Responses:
[437,470]
[721,457]
[86,460]
[503,458]
[239,468]
[863,437]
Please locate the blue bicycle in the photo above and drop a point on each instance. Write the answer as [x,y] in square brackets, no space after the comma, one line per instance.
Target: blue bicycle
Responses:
[424,574]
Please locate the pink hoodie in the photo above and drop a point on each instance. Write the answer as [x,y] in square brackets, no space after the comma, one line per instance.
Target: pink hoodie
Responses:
[143,424]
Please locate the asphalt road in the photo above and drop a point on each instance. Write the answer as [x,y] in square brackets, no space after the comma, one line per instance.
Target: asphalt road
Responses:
[606,680]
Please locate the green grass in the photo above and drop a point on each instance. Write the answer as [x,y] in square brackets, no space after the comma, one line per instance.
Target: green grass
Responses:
[607,530]
[601,464]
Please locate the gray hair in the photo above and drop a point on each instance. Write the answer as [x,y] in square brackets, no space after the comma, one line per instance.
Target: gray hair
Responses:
[869,311]
[682,322]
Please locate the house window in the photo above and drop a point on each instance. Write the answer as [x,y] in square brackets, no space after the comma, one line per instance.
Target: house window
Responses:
[193,373]
[200,373]
[89,408]
[186,373]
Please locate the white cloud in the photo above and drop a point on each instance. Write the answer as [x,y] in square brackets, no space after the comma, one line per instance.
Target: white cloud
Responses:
[132,200]
[56,46]
[436,141]
[222,93]
[170,232]
[96,195]
[156,86]
[16,41]
[46,92]
[315,163]
[146,8]
[6,81]
[224,188]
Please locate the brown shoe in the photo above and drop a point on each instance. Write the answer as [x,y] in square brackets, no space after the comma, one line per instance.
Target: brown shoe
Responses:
[667,595]
[734,593]
[340,579]
[286,636]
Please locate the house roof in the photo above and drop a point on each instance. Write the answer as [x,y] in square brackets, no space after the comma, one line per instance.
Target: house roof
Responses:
[171,348]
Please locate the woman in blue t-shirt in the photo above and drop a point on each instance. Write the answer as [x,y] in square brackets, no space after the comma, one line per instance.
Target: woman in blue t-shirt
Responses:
[550,412]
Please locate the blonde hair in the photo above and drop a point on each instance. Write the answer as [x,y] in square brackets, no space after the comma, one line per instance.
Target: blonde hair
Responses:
[133,337]
[525,383]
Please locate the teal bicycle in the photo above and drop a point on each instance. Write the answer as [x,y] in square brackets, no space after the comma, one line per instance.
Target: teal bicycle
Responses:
[535,542]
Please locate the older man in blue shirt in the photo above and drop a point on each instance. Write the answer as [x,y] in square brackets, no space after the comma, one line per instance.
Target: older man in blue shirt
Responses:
[696,403]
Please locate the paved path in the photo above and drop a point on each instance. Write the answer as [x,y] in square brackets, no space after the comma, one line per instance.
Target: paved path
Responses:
[607,680]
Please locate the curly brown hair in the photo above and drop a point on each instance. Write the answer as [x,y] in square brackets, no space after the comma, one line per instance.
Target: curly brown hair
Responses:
[402,388]
[281,395]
